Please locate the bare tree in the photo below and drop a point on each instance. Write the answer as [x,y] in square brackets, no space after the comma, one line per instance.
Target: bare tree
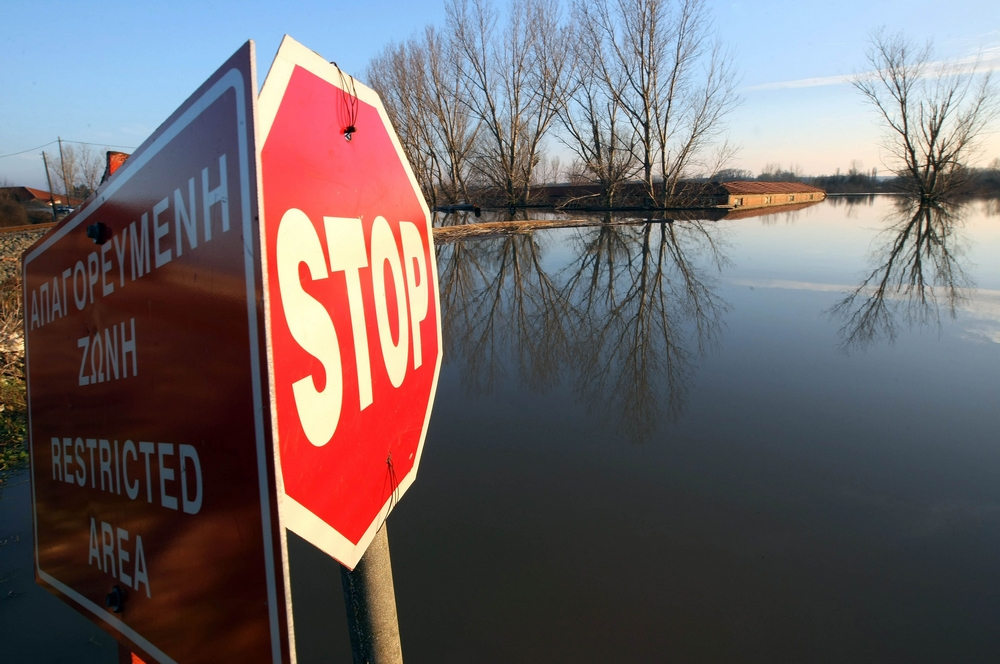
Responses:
[774,172]
[81,169]
[515,77]
[674,84]
[420,85]
[729,174]
[934,114]
[918,269]
[397,73]
[594,126]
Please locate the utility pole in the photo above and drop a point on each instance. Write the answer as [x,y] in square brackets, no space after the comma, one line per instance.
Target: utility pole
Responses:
[52,200]
[62,163]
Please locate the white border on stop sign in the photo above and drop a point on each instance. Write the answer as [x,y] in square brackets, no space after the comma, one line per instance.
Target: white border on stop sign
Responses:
[295,516]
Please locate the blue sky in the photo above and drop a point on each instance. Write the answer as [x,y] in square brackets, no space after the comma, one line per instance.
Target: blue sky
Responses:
[109,73]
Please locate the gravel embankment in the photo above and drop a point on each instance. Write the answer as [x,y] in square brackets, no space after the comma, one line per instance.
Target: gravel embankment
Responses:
[12,244]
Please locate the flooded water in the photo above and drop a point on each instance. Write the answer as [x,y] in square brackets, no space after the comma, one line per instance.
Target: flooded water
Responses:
[689,442]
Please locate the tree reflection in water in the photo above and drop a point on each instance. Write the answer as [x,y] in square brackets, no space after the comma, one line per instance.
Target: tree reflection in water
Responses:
[645,310]
[625,320]
[917,272]
[497,298]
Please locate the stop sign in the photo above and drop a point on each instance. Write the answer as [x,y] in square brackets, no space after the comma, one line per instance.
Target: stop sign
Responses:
[352,307]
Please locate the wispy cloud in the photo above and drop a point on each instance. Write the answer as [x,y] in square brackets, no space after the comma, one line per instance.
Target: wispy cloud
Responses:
[988,59]
[803,83]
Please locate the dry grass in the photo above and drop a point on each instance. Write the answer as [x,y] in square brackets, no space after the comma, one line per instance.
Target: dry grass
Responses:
[13,415]
[459,232]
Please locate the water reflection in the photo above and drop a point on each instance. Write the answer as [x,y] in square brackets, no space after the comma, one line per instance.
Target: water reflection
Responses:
[645,311]
[624,321]
[498,299]
[917,272]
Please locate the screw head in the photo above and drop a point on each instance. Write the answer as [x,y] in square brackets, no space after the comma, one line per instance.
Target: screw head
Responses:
[115,599]
[97,232]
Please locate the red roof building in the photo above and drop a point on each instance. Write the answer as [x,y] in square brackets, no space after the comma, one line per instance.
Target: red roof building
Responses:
[32,195]
[754,193]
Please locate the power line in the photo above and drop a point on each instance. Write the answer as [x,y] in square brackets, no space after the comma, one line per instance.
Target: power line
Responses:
[101,145]
[14,154]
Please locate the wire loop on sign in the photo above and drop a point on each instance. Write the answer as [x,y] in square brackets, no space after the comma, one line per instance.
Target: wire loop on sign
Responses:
[350,102]
[393,486]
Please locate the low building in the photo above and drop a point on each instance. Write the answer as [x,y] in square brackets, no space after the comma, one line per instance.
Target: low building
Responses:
[29,195]
[688,194]
[753,193]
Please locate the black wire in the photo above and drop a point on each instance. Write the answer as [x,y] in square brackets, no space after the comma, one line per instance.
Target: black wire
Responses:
[14,154]
[394,486]
[350,101]
[103,145]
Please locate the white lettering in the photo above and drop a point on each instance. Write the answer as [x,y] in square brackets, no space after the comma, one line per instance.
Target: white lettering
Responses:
[46,305]
[310,325]
[193,505]
[80,285]
[83,343]
[416,283]
[123,557]
[92,445]
[94,553]
[57,305]
[111,350]
[184,220]
[384,250]
[57,470]
[81,473]
[108,548]
[140,248]
[131,490]
[67,459]
[160,231]
[106,288]
[166,475]
[104,454]
[140,565]
[35,320]
[146,449]
[218,196]
[345,242]
[128,347]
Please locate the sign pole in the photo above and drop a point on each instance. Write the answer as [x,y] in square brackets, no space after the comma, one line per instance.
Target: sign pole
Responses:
[370,598]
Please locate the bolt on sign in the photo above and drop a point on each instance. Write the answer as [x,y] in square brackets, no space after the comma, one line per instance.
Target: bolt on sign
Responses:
[202,376]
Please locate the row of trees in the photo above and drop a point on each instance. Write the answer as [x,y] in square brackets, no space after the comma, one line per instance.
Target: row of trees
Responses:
[634,89]
[962,180]
[639,90]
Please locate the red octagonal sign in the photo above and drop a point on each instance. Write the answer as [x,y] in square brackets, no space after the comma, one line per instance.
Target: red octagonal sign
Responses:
[352,302]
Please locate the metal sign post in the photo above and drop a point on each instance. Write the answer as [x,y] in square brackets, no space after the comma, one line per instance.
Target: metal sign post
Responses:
[370,599]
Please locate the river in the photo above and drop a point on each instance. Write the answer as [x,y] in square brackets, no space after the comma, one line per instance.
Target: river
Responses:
[683,442]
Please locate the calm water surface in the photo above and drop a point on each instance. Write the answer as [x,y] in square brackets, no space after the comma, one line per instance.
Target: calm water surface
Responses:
[685,442]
